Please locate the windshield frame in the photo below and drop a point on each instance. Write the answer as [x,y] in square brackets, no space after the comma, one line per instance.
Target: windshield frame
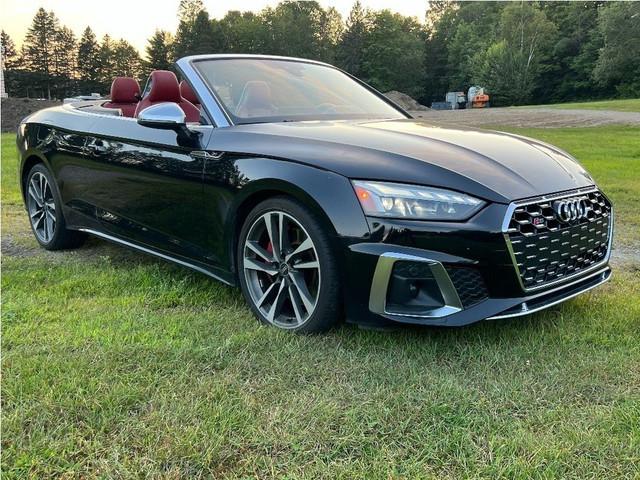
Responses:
[232,119]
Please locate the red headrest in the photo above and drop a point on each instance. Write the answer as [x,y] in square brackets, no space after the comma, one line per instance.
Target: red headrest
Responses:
[164,87]
[123,90]
[187,93]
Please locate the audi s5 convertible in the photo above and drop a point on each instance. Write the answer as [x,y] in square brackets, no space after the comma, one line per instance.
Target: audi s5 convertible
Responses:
[316,195]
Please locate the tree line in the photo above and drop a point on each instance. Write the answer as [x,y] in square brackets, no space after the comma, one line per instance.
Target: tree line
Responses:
[522,52]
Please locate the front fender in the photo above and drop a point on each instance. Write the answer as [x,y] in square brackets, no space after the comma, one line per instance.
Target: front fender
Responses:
[327,194]
[328,191]
[28,153]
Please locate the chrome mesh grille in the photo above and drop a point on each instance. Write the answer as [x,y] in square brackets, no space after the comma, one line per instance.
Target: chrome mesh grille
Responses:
[547,250]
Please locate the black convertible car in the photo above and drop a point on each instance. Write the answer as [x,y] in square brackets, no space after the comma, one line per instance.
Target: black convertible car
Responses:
[316,195]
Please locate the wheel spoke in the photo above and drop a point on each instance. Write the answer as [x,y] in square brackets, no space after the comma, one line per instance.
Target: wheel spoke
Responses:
[268,292]
[35,193]
[39,222]
[284,236]
[49,228]
[301,287]
[274,237]
[44,186]
[276,306]
[313,264]
[260,251]
[297,303]
[253,264]
[304,246]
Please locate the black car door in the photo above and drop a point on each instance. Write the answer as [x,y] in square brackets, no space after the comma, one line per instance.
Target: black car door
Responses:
[146,188]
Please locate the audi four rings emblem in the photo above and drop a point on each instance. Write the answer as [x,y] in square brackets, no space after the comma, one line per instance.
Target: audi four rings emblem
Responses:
[571,209]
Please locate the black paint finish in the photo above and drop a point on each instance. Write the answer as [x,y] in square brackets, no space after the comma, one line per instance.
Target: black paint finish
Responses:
[143,187]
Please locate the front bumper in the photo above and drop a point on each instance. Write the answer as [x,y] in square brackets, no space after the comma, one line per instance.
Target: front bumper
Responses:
[454,274]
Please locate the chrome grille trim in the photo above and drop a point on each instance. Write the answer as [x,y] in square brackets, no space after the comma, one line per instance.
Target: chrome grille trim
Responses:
[600,277]
[544,202]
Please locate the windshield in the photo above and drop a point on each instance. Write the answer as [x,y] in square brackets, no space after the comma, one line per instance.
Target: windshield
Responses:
[268,90]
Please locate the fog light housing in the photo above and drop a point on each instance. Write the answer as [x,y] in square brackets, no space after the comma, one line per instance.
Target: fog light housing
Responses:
[412,286]
[413,289]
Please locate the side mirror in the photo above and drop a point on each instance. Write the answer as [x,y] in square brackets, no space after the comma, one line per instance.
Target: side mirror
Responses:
[169,116]
[164,116]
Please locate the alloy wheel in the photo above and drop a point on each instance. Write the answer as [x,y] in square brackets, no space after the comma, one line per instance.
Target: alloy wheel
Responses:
[41,207]
[282,269]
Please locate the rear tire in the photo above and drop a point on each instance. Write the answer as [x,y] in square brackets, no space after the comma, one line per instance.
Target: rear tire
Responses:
[45,212]
[288,269]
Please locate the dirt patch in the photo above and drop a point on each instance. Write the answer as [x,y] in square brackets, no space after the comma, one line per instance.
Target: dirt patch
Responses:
[405,101]
[527,117]
[15,109]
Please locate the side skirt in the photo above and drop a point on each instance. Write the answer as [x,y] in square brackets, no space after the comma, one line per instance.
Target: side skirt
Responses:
[158,254]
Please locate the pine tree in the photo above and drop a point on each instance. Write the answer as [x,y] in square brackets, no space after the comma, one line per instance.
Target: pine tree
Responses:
[37,49]
[64,56]
[10,65]
[159,52]
[198,37]
[89,61]
[329,33]
[127,61]
[350,49]
[188,10]
[9,52]
[107,64]
[202,34]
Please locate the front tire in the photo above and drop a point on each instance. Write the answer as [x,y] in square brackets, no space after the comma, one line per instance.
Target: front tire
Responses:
[288,269]
[45,212]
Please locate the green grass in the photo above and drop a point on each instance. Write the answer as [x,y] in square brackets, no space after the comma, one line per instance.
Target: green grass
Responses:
[628,105]
[118,365]
[612,157]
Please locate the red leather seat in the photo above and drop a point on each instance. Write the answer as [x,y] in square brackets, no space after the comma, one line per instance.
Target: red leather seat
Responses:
[187,93]
[255,100]
[123,91]
[164,88]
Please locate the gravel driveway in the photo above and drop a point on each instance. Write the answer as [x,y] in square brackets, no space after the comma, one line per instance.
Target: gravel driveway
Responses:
[528,117]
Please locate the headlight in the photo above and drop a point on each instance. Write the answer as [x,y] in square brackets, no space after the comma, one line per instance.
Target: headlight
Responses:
[414,202]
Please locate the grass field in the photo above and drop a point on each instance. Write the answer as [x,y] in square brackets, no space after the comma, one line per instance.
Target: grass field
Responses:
[629,105]
[612,157]
[118,365]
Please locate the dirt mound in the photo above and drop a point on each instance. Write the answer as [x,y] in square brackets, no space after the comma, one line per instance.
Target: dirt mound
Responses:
[405,101]
[15,109]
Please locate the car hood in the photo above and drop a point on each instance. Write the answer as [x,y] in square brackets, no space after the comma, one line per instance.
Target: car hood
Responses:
[492,165]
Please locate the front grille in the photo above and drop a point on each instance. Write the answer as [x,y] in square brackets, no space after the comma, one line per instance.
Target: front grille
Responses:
[547,249]
[469,285]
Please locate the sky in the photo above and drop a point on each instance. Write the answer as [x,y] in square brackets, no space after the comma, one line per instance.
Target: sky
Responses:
[137,20]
